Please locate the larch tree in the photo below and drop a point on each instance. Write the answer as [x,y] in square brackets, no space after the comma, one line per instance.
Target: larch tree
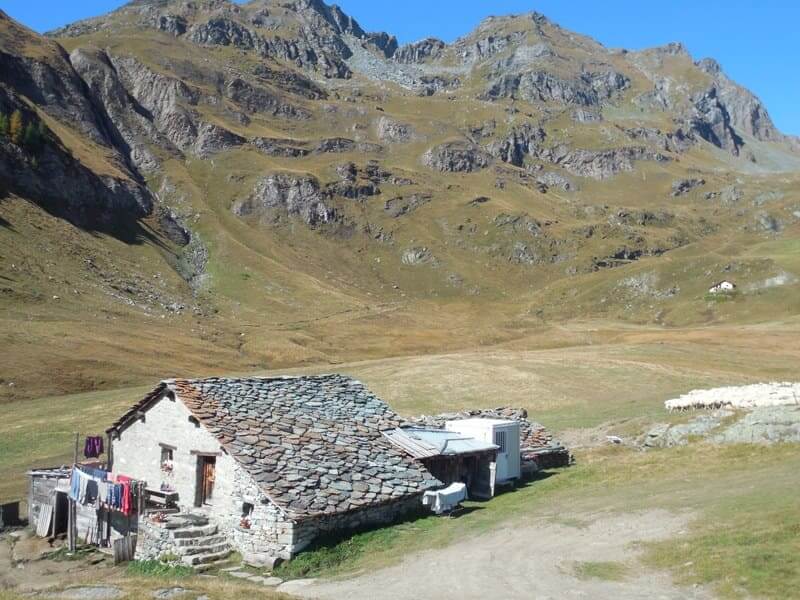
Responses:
[16,128]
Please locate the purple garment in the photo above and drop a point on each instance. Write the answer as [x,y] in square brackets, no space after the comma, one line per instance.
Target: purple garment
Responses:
[93,447]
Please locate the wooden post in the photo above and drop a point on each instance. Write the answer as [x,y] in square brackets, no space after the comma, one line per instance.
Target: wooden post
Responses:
[72,532]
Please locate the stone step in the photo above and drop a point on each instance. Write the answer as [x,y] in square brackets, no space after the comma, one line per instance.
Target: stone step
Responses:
[193,532]
[209,549]
[183,520]
[205,559]
[209,540]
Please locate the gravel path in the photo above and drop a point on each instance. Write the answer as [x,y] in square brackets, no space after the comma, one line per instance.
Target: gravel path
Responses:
[531,562]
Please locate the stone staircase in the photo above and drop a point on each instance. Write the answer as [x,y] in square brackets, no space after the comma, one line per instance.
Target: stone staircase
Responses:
[198,542]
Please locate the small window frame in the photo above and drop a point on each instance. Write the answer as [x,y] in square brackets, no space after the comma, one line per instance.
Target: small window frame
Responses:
[167,453]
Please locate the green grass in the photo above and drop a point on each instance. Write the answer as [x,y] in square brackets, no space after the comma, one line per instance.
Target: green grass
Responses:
[720,297]
[334,554]
[157,568]
[63,553]
[749,546]
[41,433]
[737,526]
[605,570]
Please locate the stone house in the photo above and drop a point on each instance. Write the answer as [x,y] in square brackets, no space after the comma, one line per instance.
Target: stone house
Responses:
[272,463]
[722,286]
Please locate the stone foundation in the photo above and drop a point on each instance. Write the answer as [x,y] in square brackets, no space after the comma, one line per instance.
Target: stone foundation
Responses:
[308,530]
[154,541]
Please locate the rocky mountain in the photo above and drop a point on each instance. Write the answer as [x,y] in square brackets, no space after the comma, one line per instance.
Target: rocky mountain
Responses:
[274,166]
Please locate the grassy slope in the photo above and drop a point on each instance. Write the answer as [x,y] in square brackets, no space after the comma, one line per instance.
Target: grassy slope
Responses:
[759,557]
[286,296]
[567,377]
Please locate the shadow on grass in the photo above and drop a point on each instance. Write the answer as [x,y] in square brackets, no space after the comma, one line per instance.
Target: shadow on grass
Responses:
[342,549]
[463,511]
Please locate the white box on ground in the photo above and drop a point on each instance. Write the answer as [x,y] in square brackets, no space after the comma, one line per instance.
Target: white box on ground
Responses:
[500,432]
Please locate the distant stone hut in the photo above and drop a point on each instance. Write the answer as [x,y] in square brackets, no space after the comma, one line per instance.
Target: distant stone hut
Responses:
[272,462]
[722,286]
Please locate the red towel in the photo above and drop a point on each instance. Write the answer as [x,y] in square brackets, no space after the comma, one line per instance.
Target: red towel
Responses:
[126,493]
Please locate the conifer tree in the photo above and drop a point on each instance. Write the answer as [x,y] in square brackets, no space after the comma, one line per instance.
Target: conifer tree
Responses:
[43,131]
[16,128]
[30,139]
[3,124]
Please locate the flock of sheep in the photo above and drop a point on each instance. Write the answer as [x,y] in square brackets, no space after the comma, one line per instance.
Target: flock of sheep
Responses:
[745,396]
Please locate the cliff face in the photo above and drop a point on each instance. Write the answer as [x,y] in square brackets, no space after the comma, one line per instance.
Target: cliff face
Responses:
[162,81]
[39,83]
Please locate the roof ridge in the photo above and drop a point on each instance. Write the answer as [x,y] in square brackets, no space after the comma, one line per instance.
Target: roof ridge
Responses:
[213,378]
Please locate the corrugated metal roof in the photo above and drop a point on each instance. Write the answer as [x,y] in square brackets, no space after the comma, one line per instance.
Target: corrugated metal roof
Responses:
[424,443]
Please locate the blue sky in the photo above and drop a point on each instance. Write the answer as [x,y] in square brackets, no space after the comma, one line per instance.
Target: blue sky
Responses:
[756,43]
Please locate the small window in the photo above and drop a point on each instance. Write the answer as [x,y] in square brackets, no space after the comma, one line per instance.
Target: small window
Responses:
[247,509]
[166,454]
[500,440]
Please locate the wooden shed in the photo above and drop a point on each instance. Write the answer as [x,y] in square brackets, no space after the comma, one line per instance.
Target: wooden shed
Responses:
[47,500]
[451,457]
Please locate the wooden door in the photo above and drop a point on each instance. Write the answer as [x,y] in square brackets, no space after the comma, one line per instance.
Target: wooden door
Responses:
[209,474]
[206,473]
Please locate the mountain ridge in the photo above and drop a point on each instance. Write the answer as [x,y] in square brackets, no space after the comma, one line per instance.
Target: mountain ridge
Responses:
[273,180]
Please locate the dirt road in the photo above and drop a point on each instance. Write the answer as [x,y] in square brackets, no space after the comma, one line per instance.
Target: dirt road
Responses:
[542,561]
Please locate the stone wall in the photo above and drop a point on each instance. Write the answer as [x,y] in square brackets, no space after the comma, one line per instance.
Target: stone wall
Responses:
[308,530]
[270,534]
[154,541]
[137,453]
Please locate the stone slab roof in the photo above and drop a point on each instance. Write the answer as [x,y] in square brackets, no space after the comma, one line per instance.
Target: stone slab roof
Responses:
[313,444]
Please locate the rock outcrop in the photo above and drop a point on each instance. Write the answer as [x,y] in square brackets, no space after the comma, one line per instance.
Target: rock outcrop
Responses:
[711,121]
[682,186]
[587,89]
[745,111]
[761,425]
[66,188]
[280,194]
[418,255]
[420,51]
[403,205]
[390,130]
[110,198]
[599,164]
[456,157]
[130,120]
[518,144]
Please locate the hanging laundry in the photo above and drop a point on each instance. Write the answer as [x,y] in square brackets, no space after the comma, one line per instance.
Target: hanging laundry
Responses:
[93,446]
[126,493]
[84,484]
[95,487]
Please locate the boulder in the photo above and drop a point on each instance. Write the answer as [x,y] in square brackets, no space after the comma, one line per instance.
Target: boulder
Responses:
[682,186]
